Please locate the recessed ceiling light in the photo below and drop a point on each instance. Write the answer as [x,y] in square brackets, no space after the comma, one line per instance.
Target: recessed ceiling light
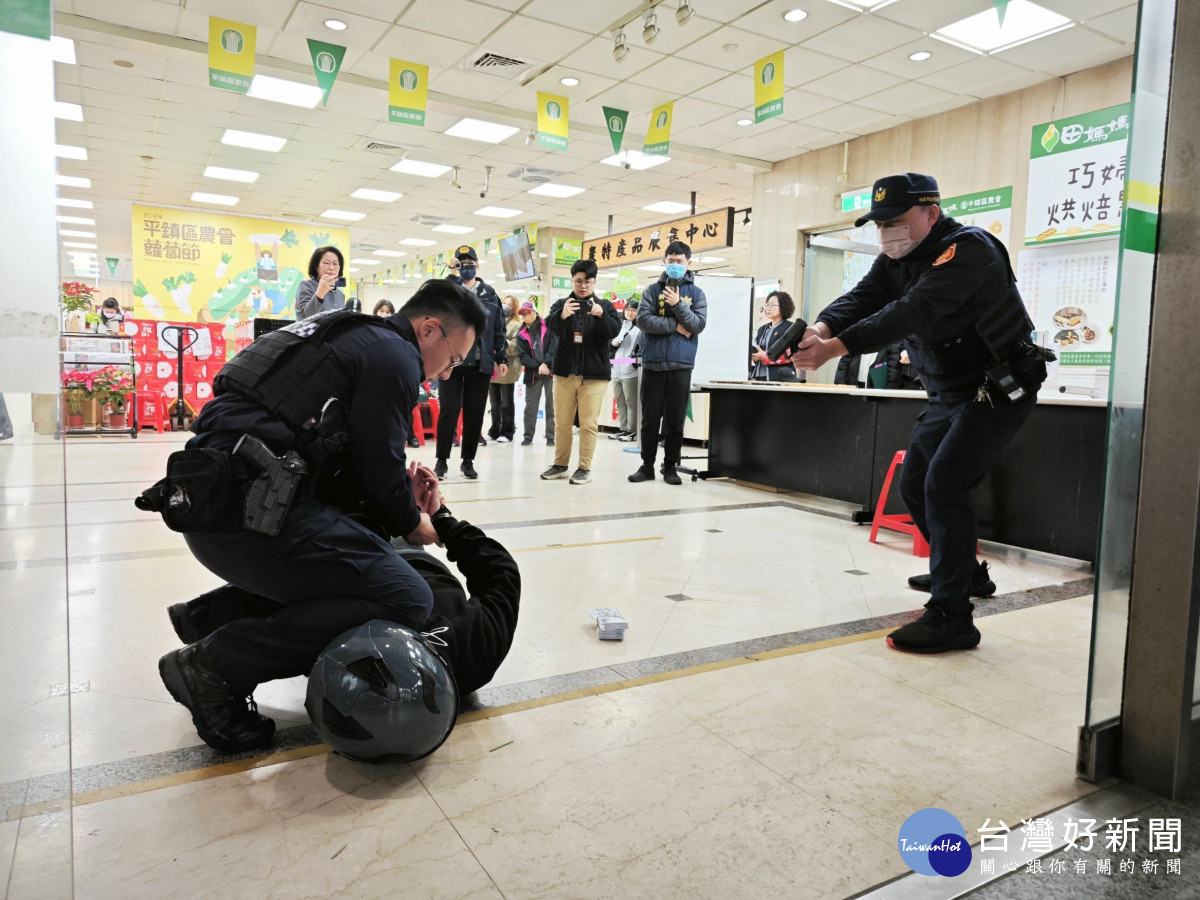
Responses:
[280,90]
[72,181]
[636,159]
[920,56]
[77,244]
[556,190]
[498,212]
[216,199]
[389,253]
[123,64]
[74,220]
[569,81]
[668,206]
[1024,21]
[372,194]
[342,215]
[224,174]
[252,141]
[795,15]
[336,25]
[65,232]
[453,229]
[74,204]
[416,242]
[352,271]
[479,130]
[65,151]
[70,112]
[62,49]
[744,122]
[416,167]
[366,262]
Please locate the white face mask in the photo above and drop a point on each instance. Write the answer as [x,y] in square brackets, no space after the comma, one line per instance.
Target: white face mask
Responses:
[895,242]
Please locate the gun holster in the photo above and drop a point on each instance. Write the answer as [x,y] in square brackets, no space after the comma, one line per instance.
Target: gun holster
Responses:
[270,495]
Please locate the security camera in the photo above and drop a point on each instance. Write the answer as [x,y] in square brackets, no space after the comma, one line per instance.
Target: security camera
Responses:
[482,194]
[627,164]
[487,178]
[454,179]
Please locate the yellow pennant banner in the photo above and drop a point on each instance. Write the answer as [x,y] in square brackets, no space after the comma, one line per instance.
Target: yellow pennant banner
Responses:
[553,121]
[768,87]
[230,54]
[658,138]
[408,92]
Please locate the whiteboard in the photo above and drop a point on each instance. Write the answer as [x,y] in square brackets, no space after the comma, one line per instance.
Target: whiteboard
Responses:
[723,351]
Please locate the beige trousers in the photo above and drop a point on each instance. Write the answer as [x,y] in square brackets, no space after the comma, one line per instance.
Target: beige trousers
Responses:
[584,395]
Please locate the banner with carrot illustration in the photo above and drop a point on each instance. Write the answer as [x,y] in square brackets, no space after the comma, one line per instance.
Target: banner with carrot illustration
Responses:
[193,266]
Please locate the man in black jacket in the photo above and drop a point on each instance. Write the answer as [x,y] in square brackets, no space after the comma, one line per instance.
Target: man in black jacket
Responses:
[466,389]
[949,291]
[585,326]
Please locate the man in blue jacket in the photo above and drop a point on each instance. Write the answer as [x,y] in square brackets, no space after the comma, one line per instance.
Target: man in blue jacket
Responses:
[671,315]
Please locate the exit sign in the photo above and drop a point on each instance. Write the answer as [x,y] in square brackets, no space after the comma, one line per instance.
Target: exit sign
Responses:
[856,200]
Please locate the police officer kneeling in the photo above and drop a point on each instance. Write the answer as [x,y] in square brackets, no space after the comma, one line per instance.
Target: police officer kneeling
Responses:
[949,291]
[296,466]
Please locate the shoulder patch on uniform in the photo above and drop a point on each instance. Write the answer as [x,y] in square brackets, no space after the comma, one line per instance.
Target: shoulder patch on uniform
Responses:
[947,255]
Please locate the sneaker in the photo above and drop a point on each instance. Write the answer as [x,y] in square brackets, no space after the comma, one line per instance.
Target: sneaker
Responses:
[224,720]
[468,469]
[482,441]
[981,585]
[616,435]
[554,472]
[454,443]
[503,440]
[413,442]
[935,632]
[549,442]
[581,476]
[627,438]
[644,473]
[525,442]
[670,476]
[439,469]
[185,623]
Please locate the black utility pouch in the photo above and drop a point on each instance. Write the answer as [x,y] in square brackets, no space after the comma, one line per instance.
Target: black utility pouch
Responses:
[196,493]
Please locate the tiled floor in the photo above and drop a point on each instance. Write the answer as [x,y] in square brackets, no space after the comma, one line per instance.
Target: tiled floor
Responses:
[736,781]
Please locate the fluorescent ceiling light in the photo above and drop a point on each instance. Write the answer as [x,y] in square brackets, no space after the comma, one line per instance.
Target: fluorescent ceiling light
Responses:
[264,87]
[72,181]
[1024,21]
[668,206]
[78,244]
[424,169]
[342,215]
[353,271]
[336,25]
[453,229]
[65,151]
[710,259]
[479,130]
[224,174]
[417,242]
[252,141]
[920,56]
[62,49]
[372,194]
[74,220]
[215,199]
[66,232]
[637,160]
[556,190]
[366,262]
[795,15]
[74,204]
[498,212]
[389,253]
[71,112]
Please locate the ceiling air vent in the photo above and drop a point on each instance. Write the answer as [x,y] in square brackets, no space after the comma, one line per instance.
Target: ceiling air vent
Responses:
[381,147]
[430,221]
[500,65]
[534,175]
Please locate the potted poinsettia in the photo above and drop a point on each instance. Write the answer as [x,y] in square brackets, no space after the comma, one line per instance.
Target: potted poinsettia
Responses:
[76,300]
[111,386]
[74,393]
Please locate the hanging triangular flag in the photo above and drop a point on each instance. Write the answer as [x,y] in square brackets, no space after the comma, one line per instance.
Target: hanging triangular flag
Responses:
[615,119]
[327,63]
[1001,9]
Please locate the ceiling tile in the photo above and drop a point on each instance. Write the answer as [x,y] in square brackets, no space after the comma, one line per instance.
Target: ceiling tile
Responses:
[798,105]
[100,56]
[546,43]
[897,62]
[1083,10]
[862,38]
[851,83]
[975,75]
[748,47]
[680,75]
[767,18]
[460,16]
[308,21]
[1061,49]
[930,16]
[434,50]
[905,98]
[801,65]
[1121,25]
[735,90]
[596,56]
[472,85]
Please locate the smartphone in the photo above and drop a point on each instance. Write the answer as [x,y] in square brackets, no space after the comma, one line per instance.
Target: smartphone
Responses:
[673,283]
[341,282]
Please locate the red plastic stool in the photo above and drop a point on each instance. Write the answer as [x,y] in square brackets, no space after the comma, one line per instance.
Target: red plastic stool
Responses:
[420,432]
[901,522]
[153,411]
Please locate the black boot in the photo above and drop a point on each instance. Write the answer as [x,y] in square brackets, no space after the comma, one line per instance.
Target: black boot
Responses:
[644,473]
[670,476]
[981,584]
[186,623]
[224,720]
[439,469]
[935,632]
[468,469]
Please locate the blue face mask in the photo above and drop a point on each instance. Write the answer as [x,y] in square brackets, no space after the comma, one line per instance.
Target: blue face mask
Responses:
[467,273]
[676,271]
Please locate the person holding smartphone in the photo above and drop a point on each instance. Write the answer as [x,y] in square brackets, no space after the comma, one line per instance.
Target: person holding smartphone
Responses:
[321,291]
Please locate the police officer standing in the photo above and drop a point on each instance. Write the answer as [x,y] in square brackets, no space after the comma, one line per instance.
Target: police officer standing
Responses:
[949,291]
[289,491]
[466,389]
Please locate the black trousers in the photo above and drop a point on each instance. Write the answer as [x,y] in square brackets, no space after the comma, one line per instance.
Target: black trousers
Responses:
[324,574]
[954,441]
[465,391]
[664,403]
[504,407]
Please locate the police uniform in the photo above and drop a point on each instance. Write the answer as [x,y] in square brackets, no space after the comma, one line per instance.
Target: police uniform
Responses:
[954,301]
[328,569]
[467,387]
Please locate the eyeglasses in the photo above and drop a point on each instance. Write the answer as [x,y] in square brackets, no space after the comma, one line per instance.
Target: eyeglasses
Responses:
[771,303]
[455,359]
[582,282]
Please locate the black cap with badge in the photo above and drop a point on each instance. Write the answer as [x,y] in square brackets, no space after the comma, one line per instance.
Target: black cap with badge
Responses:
[895,195]
[466,251]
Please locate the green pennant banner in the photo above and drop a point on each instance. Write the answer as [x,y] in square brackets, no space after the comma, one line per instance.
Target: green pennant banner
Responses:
[112,264]
[615,119]
[327,63]
[1001,9]
[27,17]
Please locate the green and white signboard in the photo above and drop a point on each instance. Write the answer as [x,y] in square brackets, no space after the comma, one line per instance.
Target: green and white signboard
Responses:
[989,210]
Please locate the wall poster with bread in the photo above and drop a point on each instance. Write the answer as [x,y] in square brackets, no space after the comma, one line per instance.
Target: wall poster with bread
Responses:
[989,210]
[1077,177]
